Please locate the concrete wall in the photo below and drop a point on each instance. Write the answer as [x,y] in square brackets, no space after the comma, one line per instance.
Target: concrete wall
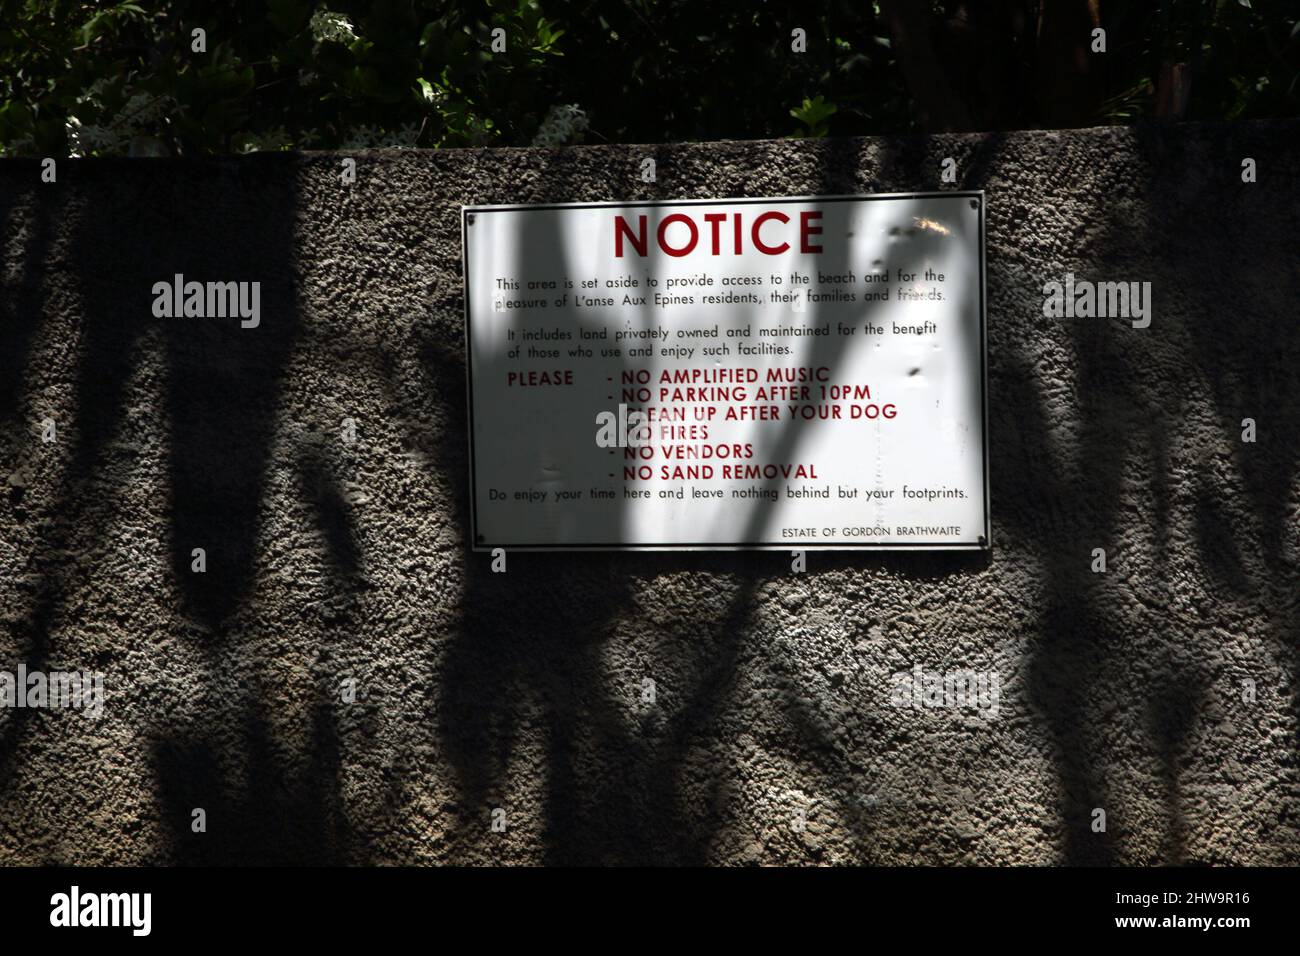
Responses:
[522,690]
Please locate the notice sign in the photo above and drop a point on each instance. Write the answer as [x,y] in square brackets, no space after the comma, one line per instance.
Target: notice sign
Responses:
[735,373]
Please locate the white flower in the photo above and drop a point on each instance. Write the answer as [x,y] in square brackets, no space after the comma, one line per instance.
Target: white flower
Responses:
[561,123]
[361,137]
[327,25]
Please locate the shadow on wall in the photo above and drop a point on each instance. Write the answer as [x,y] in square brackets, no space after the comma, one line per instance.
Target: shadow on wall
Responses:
[1059,495]
[1141,402]
[619,792]
[620,789]
[146,223]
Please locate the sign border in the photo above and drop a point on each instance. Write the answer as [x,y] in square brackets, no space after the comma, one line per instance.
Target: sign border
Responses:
[985,542]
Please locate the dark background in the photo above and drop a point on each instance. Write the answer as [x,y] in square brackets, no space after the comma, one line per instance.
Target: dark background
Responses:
[288,74]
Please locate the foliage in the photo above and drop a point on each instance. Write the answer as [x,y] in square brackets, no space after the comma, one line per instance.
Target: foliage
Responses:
[814,114]
[85,78]
[1244,57]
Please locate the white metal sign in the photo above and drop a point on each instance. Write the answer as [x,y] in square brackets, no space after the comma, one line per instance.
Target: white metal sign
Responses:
[735,373]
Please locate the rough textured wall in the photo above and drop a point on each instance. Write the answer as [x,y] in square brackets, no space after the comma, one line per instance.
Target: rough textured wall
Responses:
[522,690]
